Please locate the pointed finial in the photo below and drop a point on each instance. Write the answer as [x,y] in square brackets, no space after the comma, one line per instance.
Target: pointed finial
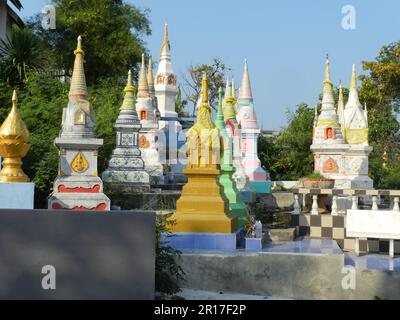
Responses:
[150,78]
[365,106]
[143,88]
[327,69]
[233,88]
[228,90]
[150,71]
[246,95]
[78,89]
[129,101]
[353,83]
[165,46]
[14,99]
[204,88]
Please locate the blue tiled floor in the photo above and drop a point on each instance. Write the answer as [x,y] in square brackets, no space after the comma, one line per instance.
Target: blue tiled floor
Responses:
[373,262]
[304,246]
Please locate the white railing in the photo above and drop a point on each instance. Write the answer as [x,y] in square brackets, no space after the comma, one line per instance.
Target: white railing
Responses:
[318,195]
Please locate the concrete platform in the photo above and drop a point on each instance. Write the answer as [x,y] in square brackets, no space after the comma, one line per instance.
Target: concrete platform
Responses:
[306,269]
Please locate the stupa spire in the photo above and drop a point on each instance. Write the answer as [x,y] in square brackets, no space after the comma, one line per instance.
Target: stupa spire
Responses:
[219,119]
[246,95]
[78,89]
[340,108]
[165,46]
[150,77]
[228,90]
[143,88]
[353,101]
[204,90]
[129,99]
[328,110]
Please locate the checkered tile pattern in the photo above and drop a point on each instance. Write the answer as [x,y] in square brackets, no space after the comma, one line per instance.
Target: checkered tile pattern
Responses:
[326,226]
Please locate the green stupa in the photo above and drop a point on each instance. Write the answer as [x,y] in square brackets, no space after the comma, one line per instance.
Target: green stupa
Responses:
[237,207]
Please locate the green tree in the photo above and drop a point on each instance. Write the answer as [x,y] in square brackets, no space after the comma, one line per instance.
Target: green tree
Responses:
[180,104]
[111,31]
[216,78]
[41,103]
[288,157]
[380,90]
[106,99]
[20,54]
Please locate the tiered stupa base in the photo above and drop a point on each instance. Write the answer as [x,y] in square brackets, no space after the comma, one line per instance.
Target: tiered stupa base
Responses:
[79,193]
[201,207]
[237,208]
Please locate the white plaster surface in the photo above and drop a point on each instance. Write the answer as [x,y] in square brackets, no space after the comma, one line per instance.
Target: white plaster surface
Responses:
[373,224]
[17,195]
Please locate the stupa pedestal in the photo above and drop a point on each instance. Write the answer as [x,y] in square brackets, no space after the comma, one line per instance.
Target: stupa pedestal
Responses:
[201,208]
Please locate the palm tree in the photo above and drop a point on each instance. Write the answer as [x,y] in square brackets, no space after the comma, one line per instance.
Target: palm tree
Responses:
[20,54]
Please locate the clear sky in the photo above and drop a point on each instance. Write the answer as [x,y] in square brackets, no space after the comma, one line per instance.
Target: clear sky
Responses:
[284,41]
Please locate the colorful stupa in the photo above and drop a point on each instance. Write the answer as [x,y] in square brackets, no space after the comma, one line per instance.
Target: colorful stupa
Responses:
[77,186]
[250,131]
[202,208]
[237,207]
[233,131]
[14,145]
[171,138]
[126,169]
[149,116]
[334,156]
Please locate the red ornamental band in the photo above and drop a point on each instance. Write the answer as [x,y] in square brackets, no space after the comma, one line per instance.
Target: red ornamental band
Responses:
[100,207]
[64,189]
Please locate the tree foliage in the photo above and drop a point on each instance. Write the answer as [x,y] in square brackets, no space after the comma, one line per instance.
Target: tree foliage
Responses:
[20,54]
[288,157]
[111,31]
[216,78]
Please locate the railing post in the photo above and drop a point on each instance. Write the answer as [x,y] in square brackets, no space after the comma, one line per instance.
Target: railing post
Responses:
[354,204]
[374,203]
[314,208]
[334,210]
[396,204]
[296,206]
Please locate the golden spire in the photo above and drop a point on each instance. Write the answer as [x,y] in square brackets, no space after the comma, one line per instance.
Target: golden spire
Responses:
[129,99]
[204,90]
[143,89]
[165,42]
[78,89]
[353,82]
[150,78]
[14,145]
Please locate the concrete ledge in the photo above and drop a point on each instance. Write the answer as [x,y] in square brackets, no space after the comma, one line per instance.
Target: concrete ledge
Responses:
[284,275]
[200,241]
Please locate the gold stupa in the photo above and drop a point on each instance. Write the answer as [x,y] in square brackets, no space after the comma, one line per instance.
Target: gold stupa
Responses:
[14,145]
[202,206]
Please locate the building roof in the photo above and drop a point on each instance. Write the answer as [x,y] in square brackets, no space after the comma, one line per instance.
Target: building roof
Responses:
[13,15]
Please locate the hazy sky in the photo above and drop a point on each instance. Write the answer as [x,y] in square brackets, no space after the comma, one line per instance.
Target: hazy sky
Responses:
[284,41]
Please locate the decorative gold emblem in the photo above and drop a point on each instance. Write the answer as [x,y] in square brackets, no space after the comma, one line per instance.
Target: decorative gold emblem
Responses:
[79,164]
